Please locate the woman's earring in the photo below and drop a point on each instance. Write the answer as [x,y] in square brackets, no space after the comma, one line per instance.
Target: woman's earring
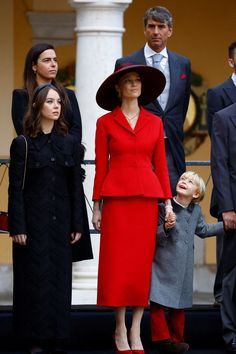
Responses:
[35,72]
[118,94]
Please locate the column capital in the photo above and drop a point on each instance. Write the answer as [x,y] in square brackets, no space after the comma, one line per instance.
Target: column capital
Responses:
[102,3]
[100,16]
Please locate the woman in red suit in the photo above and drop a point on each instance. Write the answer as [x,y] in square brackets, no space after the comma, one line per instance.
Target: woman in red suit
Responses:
[131,175]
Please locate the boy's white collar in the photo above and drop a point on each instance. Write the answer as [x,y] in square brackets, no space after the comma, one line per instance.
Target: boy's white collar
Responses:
[183,206]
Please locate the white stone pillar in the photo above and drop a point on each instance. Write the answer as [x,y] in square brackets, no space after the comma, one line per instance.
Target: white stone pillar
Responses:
[99,30]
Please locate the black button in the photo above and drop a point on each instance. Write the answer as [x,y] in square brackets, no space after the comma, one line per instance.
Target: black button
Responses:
[49,141]
[53,197]
[52,159]
[66,163]
[37,164]
[53,179]
[54,217]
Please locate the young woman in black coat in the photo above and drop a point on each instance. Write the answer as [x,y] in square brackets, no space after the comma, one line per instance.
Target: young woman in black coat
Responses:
[41,67]
[47,216]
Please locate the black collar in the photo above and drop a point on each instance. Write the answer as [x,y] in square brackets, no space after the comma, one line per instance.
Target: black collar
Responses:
[177,207]
[42,139]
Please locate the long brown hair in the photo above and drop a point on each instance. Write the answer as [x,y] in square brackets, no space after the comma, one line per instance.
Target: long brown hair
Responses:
[29,77]
[32,119]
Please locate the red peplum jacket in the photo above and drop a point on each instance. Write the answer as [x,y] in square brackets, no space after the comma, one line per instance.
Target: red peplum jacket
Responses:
[130,162]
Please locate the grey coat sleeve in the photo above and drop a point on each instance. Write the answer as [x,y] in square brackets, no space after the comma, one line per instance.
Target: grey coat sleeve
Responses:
[206,230]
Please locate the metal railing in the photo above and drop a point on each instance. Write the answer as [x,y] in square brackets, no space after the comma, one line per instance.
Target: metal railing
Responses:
[92,162]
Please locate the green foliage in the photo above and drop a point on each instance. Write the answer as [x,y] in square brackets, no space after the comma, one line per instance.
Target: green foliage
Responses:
[196,79]
[66,75]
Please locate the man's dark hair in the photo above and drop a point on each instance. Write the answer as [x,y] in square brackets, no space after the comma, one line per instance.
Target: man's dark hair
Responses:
[231,49]
[160,14]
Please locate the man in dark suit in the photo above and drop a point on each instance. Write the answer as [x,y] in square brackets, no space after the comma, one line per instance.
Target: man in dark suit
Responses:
[223,168]
[222,95]
[218,98]
[172,104]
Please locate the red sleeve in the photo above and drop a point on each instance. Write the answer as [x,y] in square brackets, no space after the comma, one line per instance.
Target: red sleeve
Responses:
[159,163]
[101,159]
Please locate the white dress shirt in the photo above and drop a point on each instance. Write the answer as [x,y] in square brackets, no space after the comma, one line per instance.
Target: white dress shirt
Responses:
[234,78]
[164,67]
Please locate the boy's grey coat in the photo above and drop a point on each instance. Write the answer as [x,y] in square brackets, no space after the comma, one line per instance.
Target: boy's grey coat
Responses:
[172,270]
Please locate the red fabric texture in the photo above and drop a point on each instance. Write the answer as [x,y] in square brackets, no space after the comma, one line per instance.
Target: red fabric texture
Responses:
[167,328]
[3,221]
[130,162]
[128,234]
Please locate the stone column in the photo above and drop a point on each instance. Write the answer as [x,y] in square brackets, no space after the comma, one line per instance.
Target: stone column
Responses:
[99,30]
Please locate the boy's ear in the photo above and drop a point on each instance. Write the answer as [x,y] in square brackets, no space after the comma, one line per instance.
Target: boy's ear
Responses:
[196,195]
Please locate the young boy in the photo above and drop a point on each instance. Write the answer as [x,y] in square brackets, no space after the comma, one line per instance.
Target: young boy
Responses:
[172,270]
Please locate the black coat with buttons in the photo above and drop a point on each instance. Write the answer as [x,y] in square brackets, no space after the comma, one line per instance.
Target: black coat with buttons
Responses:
[53,189]
[50,207]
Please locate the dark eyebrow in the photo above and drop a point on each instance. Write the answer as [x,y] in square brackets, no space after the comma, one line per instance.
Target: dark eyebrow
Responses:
[49,58]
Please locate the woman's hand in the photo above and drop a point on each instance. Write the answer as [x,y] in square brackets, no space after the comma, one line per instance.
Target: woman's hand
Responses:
[97,215]
[96,219]
[168,209]
[75,236]
[20,239]
[170,220]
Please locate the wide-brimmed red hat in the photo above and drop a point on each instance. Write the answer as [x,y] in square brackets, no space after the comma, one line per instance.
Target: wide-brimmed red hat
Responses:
[153,83]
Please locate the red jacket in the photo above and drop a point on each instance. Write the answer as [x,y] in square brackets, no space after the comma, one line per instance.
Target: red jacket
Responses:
[130,162]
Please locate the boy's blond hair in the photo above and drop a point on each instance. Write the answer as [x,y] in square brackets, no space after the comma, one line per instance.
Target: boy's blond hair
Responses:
[199,183]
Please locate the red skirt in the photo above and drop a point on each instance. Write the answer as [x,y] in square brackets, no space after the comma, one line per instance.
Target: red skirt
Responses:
[128,236]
